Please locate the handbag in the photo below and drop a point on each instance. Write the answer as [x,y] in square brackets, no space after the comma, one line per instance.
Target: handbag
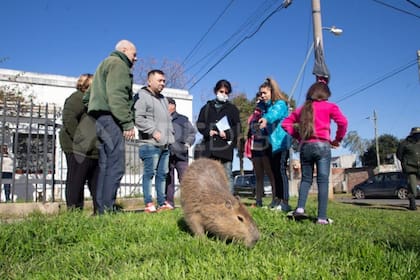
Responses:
[248,145]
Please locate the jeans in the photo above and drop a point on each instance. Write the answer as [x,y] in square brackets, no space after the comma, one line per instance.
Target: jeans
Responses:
[315,154]
[156,161]
[111,162]
[7,187]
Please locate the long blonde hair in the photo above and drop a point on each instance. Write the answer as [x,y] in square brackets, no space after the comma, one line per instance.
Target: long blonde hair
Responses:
[276,93]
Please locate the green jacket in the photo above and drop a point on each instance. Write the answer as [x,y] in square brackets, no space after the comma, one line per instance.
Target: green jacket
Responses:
[112,90]
[78,134]
[408,153]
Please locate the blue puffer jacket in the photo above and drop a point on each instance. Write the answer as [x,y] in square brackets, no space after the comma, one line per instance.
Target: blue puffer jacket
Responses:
[275,113]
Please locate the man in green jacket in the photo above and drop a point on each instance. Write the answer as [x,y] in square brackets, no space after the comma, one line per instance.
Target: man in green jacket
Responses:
[408,153]
[111,103]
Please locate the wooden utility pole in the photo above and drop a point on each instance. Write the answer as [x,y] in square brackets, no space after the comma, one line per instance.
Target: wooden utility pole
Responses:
[376,140]
[317,26]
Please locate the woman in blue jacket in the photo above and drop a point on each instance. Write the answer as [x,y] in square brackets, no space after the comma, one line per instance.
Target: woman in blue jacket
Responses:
[276,111]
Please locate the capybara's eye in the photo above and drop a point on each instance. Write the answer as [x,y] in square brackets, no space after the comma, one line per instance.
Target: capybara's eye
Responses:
[240,218]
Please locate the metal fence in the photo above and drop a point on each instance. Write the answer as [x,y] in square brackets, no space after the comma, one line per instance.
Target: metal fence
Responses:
[29,133]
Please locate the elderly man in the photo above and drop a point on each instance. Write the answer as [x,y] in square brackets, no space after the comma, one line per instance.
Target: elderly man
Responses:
[111,103]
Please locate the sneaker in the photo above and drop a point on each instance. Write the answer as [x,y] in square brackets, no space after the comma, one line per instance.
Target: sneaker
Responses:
[274,203]
[150,208]
[296,215]
[324,221]
[165,206]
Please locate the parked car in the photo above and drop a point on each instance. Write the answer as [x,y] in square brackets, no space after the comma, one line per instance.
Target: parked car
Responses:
[383,185]
[244,185]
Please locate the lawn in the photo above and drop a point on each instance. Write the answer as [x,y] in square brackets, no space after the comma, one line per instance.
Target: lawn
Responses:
[362,243]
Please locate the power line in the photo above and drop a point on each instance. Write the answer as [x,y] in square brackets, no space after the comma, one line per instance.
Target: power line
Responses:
[414,4]
[208,57]
[283,5]
[206,33]
[395,8]
[377,81]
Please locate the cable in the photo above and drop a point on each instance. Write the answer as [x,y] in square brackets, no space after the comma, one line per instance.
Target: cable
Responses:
[239,43]
[206,33]
[414,4]
[377,81]
[395,8]
[208,57]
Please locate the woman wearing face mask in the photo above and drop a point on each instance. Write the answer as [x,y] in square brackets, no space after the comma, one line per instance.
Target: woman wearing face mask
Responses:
[220,125]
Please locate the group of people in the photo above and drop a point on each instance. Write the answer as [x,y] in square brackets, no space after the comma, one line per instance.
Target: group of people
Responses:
[270,134]
[101,114]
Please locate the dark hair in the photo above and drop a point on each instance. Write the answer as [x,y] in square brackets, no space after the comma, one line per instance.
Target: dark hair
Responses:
[317,92]
[223,83]
[155,71]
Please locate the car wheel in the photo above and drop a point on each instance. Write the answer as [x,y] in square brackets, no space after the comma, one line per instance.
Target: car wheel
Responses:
[402,193]
[359,194]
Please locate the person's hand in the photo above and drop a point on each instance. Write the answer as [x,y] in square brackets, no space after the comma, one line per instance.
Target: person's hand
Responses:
[263,123]
[222,134]
[335,144]
[156,135]
[129,134]
[213,132]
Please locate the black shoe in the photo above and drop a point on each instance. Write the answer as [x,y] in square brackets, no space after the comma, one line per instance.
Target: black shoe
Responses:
[297,216]
[412,204]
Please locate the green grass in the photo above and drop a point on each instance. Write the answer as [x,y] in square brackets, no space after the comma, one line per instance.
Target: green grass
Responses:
[362,243]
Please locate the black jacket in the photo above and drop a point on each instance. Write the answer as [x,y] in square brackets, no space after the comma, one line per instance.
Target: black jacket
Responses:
[408,153]
[215,146]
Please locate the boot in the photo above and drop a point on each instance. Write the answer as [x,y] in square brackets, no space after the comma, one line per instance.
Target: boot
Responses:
[412,203]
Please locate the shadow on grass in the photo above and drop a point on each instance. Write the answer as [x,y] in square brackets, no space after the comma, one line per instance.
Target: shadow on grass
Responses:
[378,206]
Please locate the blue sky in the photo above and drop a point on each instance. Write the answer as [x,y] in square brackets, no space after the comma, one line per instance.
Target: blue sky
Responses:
[72,37]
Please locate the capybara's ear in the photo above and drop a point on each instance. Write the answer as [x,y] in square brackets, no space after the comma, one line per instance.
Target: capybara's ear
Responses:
[228,204]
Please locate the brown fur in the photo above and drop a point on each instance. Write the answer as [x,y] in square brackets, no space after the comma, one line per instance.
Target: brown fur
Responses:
[209,206]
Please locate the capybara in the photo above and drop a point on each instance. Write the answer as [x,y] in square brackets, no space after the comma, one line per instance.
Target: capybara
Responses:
[209,207]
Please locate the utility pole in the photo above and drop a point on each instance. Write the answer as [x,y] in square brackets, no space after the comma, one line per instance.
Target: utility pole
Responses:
[376,140]
[418,61]
[317,27]
[317,24]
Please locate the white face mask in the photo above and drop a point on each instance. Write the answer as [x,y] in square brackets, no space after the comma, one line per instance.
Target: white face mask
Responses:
[222,97]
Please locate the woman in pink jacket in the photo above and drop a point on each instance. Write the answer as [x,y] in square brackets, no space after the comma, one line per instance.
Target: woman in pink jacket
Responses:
[310,125]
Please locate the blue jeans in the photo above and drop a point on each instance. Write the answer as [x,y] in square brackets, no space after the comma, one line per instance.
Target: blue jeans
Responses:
[111,162]
[156,161]
[315,154]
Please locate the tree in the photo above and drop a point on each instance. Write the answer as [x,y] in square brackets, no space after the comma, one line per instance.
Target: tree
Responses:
[174,72]
[388,145]
[246,108]
[355,144]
